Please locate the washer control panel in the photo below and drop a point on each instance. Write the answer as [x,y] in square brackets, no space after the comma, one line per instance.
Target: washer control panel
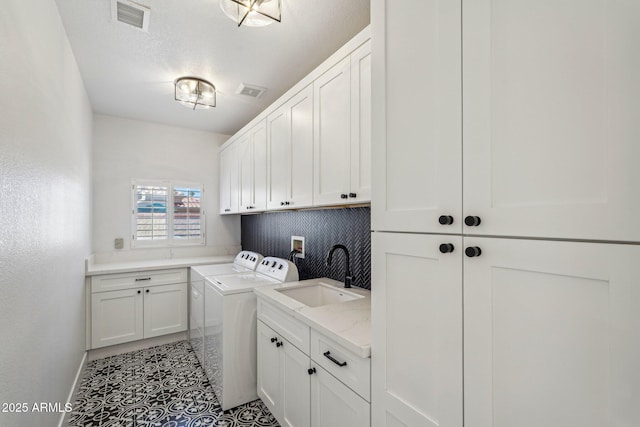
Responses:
[279,269]
[248,259]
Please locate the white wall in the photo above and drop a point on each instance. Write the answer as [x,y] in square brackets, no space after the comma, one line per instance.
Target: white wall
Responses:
[45,200]
[129,149]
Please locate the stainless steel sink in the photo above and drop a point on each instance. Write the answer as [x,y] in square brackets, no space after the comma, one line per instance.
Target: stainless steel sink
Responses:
[319,294]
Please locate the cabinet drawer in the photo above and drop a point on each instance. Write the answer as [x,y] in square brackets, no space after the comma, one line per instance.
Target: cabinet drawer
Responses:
[112,282]
[294,331]
[353,370]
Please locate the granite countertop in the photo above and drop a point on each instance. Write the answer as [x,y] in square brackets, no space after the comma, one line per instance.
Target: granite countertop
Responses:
[348,323]
[158,264]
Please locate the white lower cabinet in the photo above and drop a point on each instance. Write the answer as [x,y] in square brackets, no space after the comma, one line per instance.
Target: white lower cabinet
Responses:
[334,404]
[551,334]
[141,305]
[295,387]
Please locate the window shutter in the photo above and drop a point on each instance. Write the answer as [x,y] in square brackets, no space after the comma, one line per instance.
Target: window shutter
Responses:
[150,211]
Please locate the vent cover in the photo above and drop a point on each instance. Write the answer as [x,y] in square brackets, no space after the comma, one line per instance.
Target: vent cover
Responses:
[250,90]
[130,13]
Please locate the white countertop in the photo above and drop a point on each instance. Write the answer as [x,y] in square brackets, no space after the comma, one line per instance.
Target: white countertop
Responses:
[158,264]
[348,323]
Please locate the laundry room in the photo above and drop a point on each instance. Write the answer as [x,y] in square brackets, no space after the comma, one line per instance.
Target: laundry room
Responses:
[364,213]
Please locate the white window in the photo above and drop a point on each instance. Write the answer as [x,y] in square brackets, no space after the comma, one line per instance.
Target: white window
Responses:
[167,214]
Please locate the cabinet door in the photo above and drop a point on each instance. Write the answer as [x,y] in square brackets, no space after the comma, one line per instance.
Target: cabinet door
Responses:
[246,179]
[270,367]
[259,142]
[361,124]
[416,111]
[334,404]
[416,323]
[301,179]
[229,180]
[332,134]
[116,317]
[551,101]
[165,309]
[551,334]
[278,157]
[295,387]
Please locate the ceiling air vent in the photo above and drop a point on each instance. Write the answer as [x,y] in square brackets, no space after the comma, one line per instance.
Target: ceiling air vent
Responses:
[250,90]
[131,13]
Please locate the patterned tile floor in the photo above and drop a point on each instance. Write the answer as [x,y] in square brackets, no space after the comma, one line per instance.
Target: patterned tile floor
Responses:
[162,386]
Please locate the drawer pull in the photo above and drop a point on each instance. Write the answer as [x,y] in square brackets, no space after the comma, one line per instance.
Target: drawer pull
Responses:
[327,354]
[274,339]
[311,371]
[279,344]
[142,279]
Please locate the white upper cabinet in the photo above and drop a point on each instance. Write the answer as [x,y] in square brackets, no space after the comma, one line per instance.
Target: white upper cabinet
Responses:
[229,193]
[551,107]
[252,148]
[290,153]
[417,169]
[342,131]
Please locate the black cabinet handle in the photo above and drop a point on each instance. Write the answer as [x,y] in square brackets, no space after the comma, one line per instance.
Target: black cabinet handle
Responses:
[327,354]
[281,203]
[311,371]
[445,220]
[279,344]
[274,339]
[472,221]
[446,248]
[142,279]
[139,291]
[344,196]
[473,251]
[353,195]
[147,290]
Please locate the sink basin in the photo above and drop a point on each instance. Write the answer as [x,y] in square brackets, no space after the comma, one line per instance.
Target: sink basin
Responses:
[319,294]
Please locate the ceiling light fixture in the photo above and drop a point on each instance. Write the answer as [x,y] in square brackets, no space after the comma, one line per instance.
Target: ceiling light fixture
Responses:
[252,13]
[194,92]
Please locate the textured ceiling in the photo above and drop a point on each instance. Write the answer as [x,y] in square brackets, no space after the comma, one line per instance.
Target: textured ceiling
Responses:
[130,73]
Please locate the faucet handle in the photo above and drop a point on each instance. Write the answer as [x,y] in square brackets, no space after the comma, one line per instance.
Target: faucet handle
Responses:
[348,281]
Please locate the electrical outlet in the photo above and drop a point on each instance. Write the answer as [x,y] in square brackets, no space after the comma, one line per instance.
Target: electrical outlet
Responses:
[118,243]
[297,243]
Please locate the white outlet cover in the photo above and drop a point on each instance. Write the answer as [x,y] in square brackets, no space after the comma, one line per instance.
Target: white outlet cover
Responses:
[297,242]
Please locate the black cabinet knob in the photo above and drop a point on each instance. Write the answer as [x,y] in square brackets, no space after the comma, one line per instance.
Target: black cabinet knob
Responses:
[279,344]
[445,219]
[274,339]
[446,248]
[473,251]
[287,203]
[311,371]
[281,203]
[353,195]
[139,291]
[344,196]
[147,291]
[472,221]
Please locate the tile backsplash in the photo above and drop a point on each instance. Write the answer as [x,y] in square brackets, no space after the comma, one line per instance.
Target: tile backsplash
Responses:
[270,234]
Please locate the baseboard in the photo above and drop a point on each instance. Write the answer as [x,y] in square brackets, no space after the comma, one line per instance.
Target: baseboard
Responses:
[74,388]
[114,350]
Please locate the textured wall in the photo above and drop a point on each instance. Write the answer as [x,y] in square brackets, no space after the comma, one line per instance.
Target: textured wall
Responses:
[270,234]
[130,149]
[45,200]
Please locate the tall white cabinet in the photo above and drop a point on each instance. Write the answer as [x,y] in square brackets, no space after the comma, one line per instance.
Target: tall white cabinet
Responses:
[529,175]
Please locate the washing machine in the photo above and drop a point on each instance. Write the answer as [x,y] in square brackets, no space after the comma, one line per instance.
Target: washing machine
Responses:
[243,262]
[230,329]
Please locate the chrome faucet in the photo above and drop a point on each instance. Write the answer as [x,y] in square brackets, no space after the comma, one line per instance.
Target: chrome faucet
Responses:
[348,278]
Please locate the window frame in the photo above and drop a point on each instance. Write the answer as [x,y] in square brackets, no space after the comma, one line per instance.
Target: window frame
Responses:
[170,241]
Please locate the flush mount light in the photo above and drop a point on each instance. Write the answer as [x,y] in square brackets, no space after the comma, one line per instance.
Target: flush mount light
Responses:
[252,13]
[195,93]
